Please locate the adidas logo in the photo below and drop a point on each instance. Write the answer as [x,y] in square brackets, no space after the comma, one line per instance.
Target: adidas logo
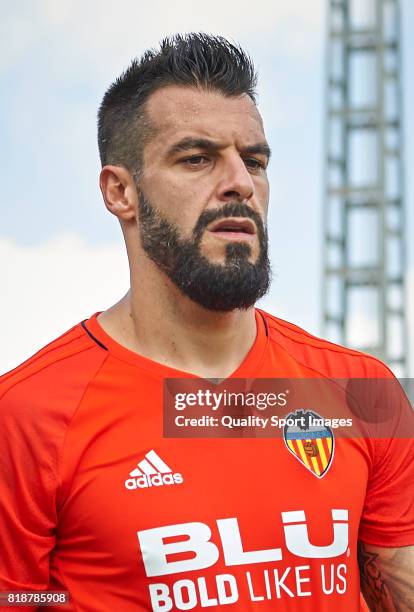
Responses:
[152,472]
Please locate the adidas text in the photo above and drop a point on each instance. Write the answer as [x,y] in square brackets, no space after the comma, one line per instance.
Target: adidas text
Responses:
[155,480]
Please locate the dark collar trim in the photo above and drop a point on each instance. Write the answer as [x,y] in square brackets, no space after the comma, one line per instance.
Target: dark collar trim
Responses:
[265,323]
[98,342]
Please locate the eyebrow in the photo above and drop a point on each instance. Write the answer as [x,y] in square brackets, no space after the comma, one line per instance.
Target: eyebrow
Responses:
[189,143]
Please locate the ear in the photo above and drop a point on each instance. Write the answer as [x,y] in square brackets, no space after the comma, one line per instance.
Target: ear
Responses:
[119,192]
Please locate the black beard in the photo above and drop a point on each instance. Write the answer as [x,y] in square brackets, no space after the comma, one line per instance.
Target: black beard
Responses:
[237,283]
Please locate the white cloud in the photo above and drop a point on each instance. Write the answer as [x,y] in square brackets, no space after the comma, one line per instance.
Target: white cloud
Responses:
[17,35]
[148,19]
[111,33]
[46,289]
[49,288]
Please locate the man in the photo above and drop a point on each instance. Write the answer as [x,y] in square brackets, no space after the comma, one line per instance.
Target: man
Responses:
[94,499]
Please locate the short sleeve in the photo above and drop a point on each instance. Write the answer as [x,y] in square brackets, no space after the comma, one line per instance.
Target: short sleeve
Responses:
[388,515]
[28,488]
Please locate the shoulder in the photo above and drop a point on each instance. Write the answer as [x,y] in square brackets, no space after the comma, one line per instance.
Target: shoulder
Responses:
[54,377]
[322,356]
[37,402]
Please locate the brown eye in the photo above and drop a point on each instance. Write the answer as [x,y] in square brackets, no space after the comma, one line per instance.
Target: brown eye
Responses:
[195,160]
[253,163]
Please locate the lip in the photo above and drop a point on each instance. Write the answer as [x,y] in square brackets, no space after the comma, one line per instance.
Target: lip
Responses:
[234,228]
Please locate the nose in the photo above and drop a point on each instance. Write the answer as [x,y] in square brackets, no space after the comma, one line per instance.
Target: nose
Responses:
[236,183]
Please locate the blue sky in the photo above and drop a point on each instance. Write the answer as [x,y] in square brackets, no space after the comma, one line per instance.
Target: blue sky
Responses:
[62,252]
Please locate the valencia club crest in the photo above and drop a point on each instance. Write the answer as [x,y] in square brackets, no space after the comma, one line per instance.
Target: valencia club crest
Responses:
[309,440]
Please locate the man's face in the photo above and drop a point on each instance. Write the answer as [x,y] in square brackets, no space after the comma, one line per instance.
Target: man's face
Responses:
[204,195]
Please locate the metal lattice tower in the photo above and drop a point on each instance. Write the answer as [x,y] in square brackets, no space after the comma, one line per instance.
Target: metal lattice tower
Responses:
[364,299]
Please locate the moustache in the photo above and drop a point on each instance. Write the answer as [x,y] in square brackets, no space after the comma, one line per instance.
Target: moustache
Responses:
[231,209]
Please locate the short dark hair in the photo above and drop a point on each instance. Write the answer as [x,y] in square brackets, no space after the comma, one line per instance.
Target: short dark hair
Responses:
[196,59]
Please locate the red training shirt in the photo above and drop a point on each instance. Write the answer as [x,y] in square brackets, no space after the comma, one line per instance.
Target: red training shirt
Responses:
[96,501]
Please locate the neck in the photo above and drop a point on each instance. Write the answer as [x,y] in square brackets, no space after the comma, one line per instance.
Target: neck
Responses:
[155,320]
